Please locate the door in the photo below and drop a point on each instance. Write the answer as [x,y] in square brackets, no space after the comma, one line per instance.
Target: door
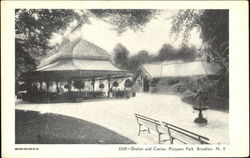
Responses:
[145,84]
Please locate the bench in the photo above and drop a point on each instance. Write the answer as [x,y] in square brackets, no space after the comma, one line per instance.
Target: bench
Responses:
[150,124]
[184,136]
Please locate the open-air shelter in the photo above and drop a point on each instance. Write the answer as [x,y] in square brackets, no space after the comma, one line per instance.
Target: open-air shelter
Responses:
[78,59]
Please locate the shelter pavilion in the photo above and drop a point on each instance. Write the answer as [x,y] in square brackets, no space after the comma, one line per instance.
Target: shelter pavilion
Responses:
[78,59]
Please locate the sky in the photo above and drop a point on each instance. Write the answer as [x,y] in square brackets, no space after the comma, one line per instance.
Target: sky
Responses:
[154,35]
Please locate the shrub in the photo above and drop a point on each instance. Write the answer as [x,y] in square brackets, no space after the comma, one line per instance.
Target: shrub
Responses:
[209,93]
[101,85]
[179,88]
[172,82]
[115,84]
[79,84]
[66,86]
[128,83]
[188,93]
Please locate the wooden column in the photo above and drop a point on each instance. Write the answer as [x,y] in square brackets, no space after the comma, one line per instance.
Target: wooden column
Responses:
[47,86]
[69,84]
[41,83]
[47,91]
[57,88]
[108,87]
[28,87]
[93,84]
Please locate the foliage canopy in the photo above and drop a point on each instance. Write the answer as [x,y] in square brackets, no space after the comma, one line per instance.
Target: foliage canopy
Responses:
[124,19]
[121,55]
[214,28]
[79,84]
[128,83]
[101,85]
[115,84]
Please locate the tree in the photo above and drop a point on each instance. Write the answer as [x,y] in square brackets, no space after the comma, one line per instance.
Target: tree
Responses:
[128,83]
[214,28]
[214,31]
[121,56]
[124,19]
[34,28]
[79,84]
[37,25]
[167,52]
[143,56]
[186,53]
[140,58]
[23,59]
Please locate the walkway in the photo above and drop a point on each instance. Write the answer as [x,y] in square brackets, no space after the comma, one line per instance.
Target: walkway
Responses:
[118,115]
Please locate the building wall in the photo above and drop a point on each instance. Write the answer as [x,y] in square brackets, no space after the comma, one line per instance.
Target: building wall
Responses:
[140,81]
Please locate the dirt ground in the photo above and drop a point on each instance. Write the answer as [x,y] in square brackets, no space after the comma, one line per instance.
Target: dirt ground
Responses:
[118,117]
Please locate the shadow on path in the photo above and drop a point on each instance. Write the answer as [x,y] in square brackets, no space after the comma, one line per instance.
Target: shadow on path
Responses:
[35,128]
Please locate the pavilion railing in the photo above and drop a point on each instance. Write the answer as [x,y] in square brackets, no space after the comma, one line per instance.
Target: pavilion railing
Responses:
[121,94]
[73,96]
[41,97]
[86,95]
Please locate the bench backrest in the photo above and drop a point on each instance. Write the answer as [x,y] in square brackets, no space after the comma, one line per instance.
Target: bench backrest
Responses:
[148,122]
[192,135]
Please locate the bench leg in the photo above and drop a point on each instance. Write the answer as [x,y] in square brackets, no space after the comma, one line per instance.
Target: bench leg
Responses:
[139,129]
[159,138]
[148,131]
[171,140]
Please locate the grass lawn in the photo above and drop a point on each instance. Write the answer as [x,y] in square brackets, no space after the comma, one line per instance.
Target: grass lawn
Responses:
[36,128]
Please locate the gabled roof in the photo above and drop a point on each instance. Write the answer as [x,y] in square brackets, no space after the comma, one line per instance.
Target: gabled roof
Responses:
[154,70]
[181,69]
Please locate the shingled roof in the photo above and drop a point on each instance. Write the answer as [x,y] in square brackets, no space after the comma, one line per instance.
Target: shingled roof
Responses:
[76,49]
[78,54]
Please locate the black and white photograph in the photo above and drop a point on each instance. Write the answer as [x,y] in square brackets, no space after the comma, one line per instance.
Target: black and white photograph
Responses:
[122,76]
[86,76]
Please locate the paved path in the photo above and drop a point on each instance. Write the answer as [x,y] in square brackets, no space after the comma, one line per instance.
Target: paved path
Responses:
[118,115]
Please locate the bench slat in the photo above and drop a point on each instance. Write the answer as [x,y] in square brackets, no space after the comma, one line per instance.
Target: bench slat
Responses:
[149,121]
[185,134]
[149,125]
[169,126]
[145,117]
[184,138]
